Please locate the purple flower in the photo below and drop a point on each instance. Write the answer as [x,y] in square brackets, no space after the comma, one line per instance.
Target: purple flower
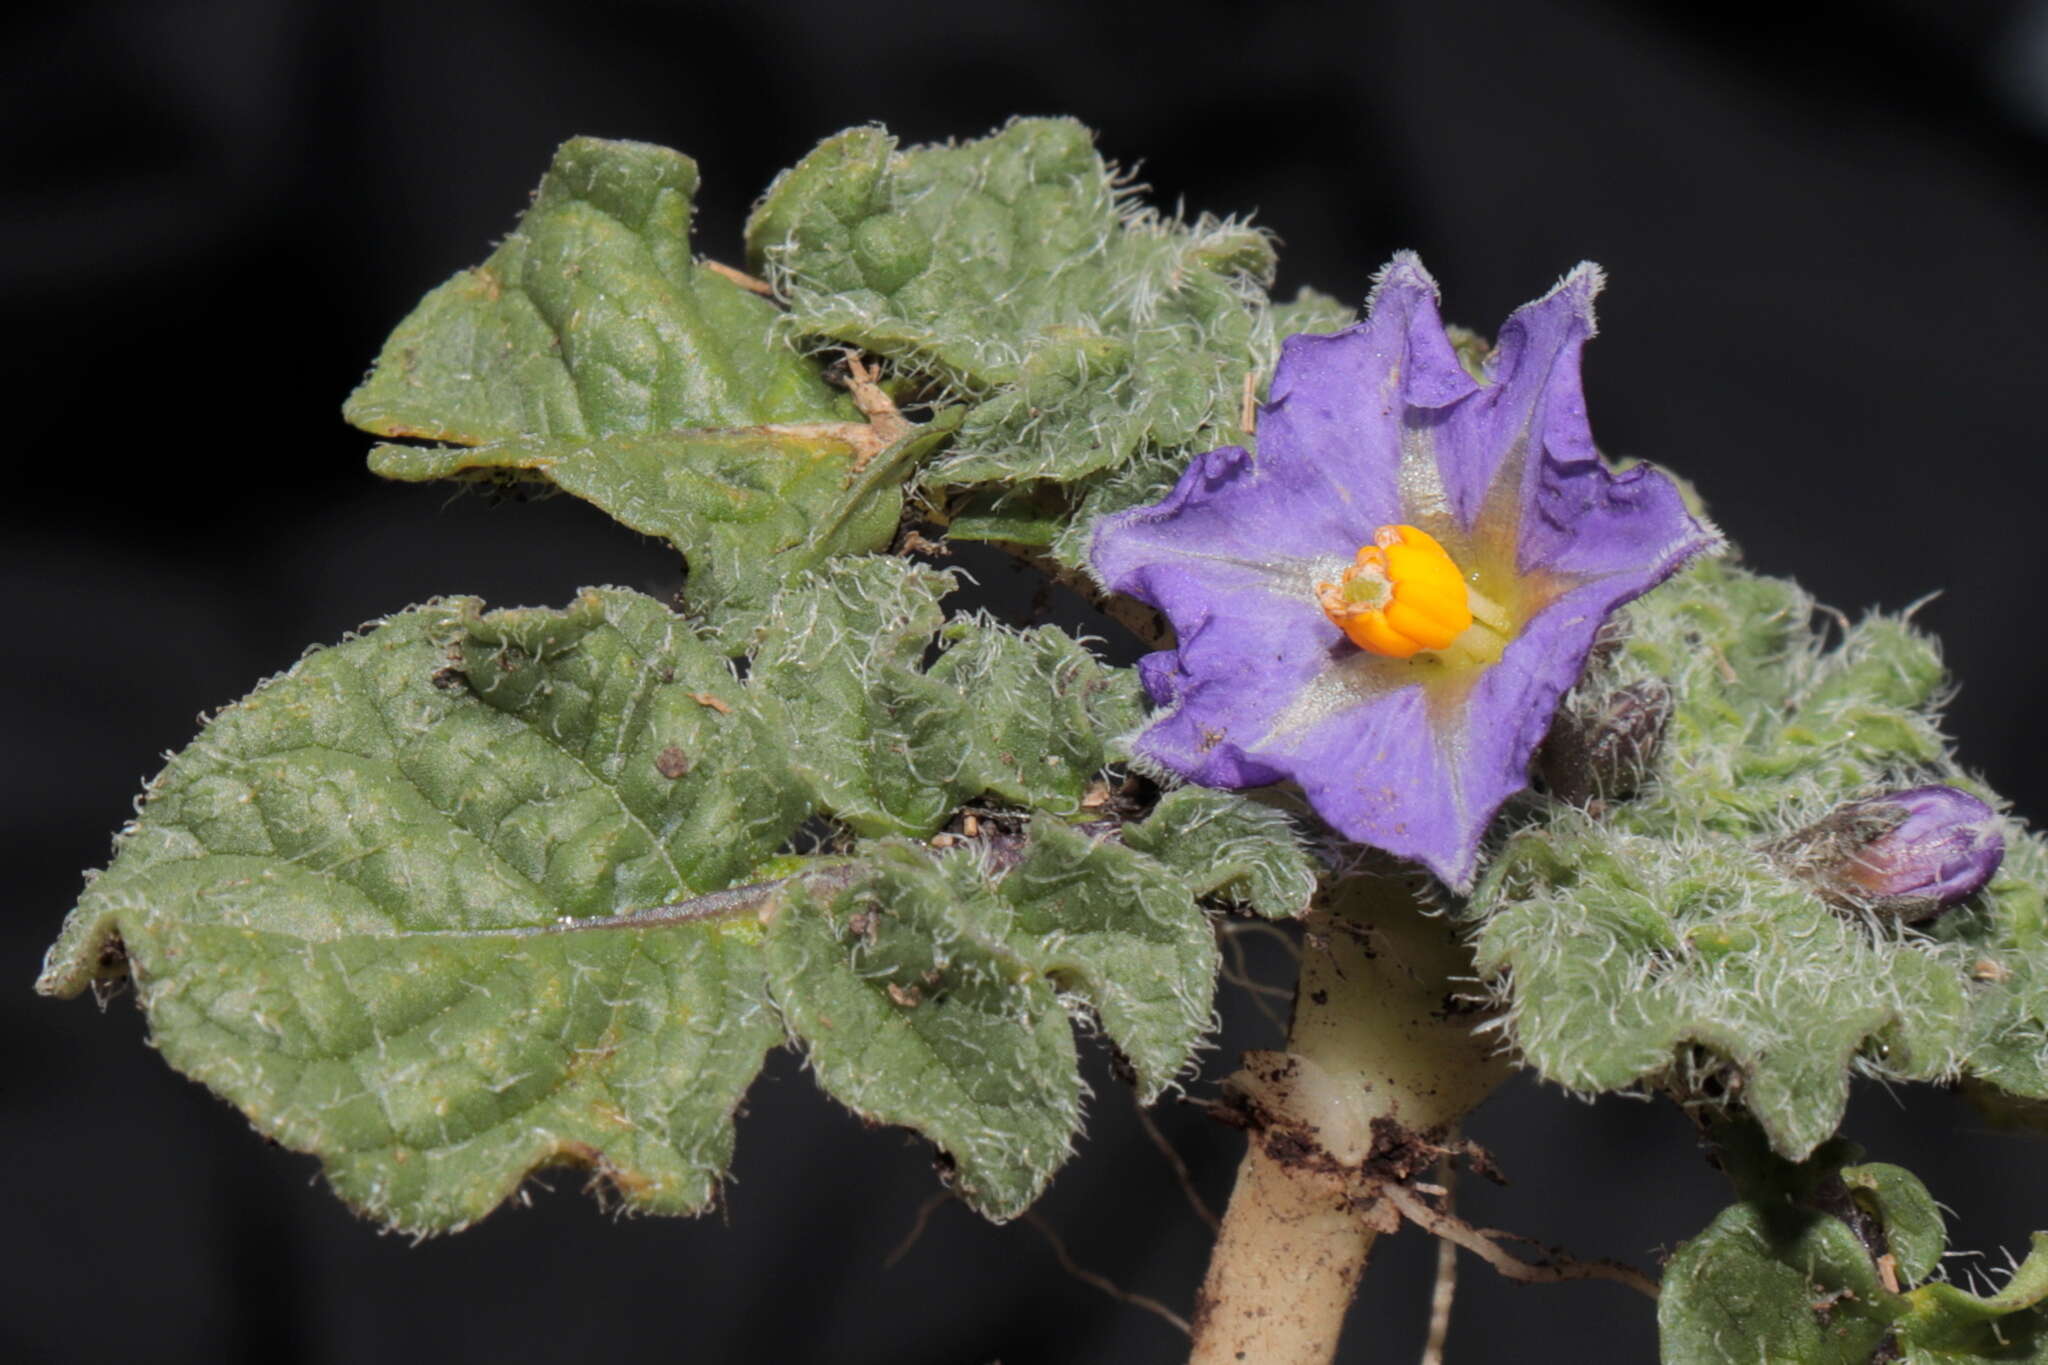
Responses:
[1910,854]
[1313,590]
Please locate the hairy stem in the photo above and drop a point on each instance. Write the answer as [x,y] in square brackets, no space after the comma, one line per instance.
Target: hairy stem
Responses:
[1381,1064]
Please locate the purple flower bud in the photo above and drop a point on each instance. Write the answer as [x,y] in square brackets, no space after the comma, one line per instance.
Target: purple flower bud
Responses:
[1908,854]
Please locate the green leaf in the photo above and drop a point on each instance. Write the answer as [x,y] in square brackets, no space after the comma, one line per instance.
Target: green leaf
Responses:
[590,353]
[932,995]
[2003,938]
[1122,933]
[1748,1289]
[1028,514]
[1042,708]
[620,688]
[590,320]
[347,908]
[479,893]
[1311,311]
[1914,1233]
[1013,272]
[1645,939]
[1943,1323]
[753,507]
[841,659]
[891,748]
[1230,848]
[1776,1278]
[915,1010]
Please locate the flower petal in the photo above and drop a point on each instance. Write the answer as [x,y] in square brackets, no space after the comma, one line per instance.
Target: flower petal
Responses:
[1585,520]
[1239,666]
[1480,447]
[1381,773]
[1223,520]
[1404,772]
[1334,434]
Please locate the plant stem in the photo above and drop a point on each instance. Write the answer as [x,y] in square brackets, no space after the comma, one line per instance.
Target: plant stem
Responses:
[1380,1066]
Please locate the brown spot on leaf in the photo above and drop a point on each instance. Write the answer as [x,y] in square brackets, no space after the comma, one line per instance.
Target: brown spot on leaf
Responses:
[672,763]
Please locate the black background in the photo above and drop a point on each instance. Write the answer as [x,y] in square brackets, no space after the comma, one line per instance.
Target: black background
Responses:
[1823,229]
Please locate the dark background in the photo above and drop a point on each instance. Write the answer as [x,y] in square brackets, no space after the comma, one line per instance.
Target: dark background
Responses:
[1823,227]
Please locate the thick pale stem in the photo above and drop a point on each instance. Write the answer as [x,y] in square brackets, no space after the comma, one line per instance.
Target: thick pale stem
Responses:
[1381,1064]
[1284,1269]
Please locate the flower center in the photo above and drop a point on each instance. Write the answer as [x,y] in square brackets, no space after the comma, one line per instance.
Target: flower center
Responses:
[1406,596]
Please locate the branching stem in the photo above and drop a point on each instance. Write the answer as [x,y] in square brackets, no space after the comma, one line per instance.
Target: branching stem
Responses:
[1178,1166]
[741,278]
[758,899]
[1102,1282]
[1376,1074]
[1445,1291]
[1479,1241]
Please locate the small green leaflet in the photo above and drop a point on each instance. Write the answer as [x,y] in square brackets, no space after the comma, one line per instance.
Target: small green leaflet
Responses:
[592,353]
[592,319]
[1776,1278]
[1086,331]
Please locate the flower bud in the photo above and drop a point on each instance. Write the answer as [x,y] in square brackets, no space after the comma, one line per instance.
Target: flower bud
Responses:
[1604,751]
[1908,854]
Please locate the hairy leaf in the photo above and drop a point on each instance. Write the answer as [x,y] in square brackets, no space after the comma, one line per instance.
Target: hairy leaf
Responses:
[349,907]
[591,353]
[1311,311]
[842,659]
[1230,848]
[893,749]
[1043,709]
[1655,937]
[591,319]
[915,1010]
[1782,1277]
[478,893]
[1744,1291]
[1083,328]
[1124,935]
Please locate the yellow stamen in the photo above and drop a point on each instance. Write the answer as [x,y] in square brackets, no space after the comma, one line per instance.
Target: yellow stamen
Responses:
[1405,596]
